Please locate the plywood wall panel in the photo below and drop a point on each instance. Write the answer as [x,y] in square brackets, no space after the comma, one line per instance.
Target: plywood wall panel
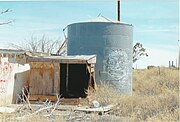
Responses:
[41,79]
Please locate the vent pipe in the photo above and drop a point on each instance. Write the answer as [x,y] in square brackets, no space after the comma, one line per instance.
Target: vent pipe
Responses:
[118,10]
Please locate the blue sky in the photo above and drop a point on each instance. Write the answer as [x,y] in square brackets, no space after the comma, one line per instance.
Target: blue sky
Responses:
[156,22]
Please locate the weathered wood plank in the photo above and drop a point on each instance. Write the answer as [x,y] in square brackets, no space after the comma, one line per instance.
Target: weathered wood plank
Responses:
[42,98]
[99,109]
[72,61]
[56,85]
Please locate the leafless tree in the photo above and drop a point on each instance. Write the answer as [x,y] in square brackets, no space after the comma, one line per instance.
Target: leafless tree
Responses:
[8,21]
[43,44]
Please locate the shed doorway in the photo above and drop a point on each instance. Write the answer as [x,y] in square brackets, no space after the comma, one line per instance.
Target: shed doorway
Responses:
[74,79]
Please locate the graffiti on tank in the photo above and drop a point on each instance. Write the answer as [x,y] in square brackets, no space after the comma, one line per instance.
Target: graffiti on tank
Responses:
[6,69]
[116,65]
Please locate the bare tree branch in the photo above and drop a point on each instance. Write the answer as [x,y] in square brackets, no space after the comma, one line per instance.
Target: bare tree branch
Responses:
[43,44]
[6,11]
[9,21]
[16,46]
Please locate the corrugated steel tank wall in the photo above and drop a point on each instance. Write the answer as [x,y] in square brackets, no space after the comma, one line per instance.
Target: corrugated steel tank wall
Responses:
[112,43]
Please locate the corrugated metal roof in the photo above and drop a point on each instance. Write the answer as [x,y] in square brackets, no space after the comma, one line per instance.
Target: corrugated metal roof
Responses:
[102,19]
[91,59]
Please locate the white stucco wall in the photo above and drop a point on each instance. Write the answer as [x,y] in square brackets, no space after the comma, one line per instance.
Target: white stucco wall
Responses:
[10,85]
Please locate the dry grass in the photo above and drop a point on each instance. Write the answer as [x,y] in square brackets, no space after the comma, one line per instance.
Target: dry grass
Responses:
[155,98]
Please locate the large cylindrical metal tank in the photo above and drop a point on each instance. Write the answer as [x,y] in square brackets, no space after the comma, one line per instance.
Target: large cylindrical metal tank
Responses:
[112,42]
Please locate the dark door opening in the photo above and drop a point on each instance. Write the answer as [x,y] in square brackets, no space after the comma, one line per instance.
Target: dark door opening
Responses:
[74,79]
[63,71]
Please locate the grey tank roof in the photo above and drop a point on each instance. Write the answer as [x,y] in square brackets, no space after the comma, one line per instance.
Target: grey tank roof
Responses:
[102,19]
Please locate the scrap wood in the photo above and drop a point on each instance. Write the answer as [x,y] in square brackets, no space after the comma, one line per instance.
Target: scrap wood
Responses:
[66,107]
[70,101]
[99,109]
[85,108]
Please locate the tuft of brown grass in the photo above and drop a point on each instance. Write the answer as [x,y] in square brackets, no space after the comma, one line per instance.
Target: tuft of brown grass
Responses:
[155,81]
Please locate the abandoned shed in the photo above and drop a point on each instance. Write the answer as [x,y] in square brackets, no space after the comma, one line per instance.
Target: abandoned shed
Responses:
[67,76]
[44,76]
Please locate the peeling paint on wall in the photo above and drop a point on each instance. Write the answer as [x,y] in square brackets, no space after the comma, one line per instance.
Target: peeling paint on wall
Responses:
[8,70]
